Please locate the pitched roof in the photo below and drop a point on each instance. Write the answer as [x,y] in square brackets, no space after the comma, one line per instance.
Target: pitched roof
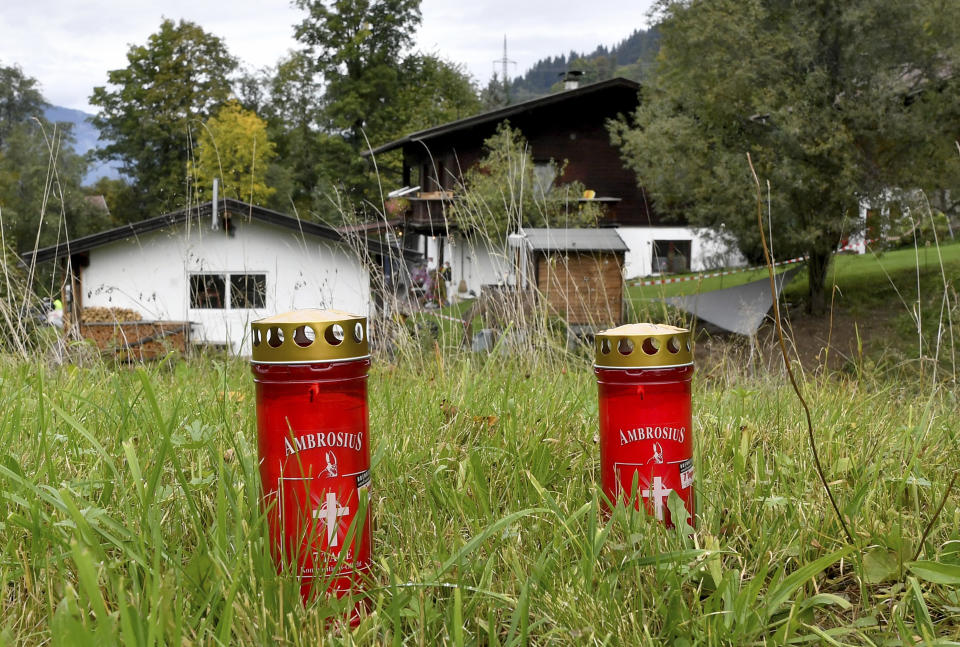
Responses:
[500,114]
[197,213]
[574,240]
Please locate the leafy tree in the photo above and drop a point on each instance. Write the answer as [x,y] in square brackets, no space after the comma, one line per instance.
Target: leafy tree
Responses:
[20,100]
[504,190]
[119,196]
[494,95]
[434,92]
[356,47]
[234,147]
[151,109]
[289,97]
[40,173]
[354,86]
[835,101]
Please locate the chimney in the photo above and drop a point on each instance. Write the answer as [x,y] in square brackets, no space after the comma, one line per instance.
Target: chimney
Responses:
[215,222]
[571,79]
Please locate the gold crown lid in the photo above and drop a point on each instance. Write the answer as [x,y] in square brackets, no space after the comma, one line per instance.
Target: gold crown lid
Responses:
[302,336]
[643,345]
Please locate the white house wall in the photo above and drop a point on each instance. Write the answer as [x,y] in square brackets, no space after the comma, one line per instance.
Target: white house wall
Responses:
[481,263]
[477,262]
[150,274]
[707,249]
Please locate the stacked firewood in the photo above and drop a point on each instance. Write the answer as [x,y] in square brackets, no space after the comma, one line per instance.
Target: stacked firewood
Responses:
[108,315]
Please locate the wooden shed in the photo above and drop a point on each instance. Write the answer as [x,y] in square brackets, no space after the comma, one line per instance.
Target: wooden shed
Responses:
[577,272]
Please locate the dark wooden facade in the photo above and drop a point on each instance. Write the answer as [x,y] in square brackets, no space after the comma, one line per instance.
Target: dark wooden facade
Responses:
[568,126]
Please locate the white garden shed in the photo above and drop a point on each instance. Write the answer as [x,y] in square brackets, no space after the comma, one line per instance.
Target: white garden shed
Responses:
[217,268]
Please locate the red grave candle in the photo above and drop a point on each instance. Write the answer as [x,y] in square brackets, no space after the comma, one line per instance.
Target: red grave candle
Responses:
[646,446]
[310,369]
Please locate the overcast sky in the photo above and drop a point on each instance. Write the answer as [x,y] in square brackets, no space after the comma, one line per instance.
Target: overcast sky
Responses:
[69,46]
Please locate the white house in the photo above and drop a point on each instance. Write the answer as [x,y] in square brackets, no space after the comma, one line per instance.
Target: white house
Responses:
[475,261]
[218,268]
[659,249]
[478,261]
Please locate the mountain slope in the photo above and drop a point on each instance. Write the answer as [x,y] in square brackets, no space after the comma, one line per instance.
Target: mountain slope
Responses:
[630,58]
[86,137]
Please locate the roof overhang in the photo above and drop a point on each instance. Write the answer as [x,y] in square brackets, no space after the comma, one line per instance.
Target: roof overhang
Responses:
[598,240]
[200,213]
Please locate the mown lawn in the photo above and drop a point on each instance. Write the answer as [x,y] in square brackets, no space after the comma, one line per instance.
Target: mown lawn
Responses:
[130,512]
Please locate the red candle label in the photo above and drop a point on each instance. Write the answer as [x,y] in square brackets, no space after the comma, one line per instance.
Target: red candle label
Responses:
[315,469]
[646,444]
[320,508]
[658,460]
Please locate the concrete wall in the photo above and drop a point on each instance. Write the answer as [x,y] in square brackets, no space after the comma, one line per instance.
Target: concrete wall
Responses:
[708,250]
[150,274]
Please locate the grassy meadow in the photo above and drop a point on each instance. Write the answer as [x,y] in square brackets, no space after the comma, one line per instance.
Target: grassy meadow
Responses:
[130,512]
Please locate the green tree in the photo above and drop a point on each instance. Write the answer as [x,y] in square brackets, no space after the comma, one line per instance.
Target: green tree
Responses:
[151,110]
[20,100]
[352,86]
[234,147]
[506,190]
[835,101]
[289,97]
[435,91]
[356,47]
[495,94]
[40,173]
[119,196]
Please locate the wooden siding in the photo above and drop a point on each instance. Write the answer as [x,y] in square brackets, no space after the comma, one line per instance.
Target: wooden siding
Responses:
[573,131]
[583,288]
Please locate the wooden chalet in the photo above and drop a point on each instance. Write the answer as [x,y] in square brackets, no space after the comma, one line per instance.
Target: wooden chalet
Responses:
[566,126]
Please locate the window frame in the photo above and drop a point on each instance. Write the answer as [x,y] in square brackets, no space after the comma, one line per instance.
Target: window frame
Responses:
[228,300]
[191,291]
[262,293]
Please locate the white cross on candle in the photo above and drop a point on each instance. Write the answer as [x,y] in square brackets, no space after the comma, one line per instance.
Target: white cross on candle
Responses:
[658,494]
[330,512]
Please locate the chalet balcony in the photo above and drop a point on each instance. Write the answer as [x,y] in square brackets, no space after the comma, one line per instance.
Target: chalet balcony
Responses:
[430,213]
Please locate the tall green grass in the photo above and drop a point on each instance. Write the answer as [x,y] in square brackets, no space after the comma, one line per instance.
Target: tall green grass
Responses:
[130,513]
[130,505]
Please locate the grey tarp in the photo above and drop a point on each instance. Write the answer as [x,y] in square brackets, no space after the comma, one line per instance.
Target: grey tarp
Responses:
[740,309]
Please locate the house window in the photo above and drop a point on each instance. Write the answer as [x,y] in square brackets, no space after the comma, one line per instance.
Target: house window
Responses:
[208,291]
[671,256]
[544,175]
[248,291]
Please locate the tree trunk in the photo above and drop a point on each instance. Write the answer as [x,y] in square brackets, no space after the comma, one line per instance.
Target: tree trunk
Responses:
[817,265]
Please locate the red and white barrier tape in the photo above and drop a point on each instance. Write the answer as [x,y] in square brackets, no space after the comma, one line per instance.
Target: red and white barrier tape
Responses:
[710,275]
